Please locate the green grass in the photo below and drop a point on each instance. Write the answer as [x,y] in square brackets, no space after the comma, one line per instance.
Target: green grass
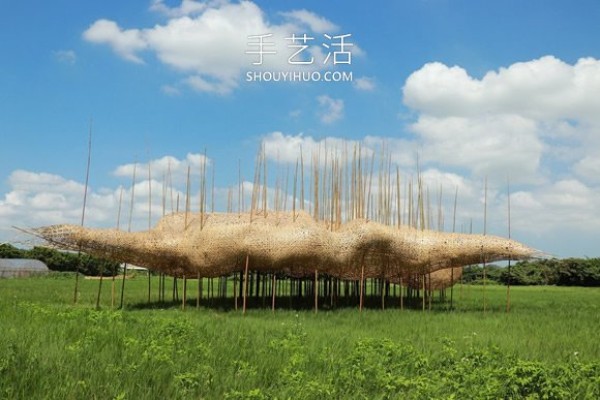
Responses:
[49,348]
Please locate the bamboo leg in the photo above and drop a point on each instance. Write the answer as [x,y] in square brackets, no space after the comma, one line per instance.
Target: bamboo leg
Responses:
[199,291]
[316,290]
[362,280]
[274,290]
[245,291]
[184,297]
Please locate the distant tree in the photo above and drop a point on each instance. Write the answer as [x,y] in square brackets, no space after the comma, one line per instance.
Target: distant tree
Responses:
[63,261]
[474,273]
[9,251]
[565,272]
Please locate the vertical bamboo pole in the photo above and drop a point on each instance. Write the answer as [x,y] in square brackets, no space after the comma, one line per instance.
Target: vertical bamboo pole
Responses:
[85,190]
[128,230]
[301,180]
[184,297]
[245,290]
[274,292]
[264,160]
[316,290]
[199,291]
[510,255]
[362,285]
[112,289]
[149,219]
[212,186]
[294,193]
[187,199]
[401,295]
[423,293]
[484,233]
[453,231]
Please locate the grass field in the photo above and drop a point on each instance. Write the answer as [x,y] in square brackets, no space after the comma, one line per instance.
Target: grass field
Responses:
[547,347]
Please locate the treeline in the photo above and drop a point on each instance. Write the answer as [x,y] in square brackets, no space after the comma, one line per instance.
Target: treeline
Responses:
[560,272]
[63,261]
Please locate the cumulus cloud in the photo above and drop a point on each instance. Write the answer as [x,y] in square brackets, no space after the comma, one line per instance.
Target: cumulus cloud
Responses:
[510,120]
[546,88]
[287,148]
[126,43]
[589,167]
[167,166]
[497,145]
[331,109]
[209,42]
[563,205]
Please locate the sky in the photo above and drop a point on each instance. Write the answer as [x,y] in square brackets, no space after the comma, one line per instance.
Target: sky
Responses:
[506,92]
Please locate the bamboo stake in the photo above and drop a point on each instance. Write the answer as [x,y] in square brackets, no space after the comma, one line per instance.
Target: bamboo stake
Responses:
[112,296]
[149,219]
[187,198]
[128,230]
[199,290]
[301,180]
[484,233]
[212,186]
[235,291]
[264,160]
[423,293]
[245,290]
[453,231]
[87,178]
[316,290]
[274,291]
[184,297]
[362,284]
[401,296]
[510,255]
[294,193]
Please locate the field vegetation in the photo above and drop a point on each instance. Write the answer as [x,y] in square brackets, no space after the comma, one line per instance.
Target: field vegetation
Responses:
[546,347]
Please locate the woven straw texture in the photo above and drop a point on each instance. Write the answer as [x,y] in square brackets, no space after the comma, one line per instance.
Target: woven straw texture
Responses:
[217,244]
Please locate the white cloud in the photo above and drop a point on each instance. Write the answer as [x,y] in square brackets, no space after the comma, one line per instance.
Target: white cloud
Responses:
[187,7]
[166,166]
[589,167]
[331,109]
[289,148]
[208,41]
[311,20]
[126,43]
[546,88]
[364,83]
[497,145]
[561,206]
[222,87]
[511,120]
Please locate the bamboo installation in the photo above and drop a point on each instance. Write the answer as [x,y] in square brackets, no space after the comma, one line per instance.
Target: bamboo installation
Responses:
[355,230]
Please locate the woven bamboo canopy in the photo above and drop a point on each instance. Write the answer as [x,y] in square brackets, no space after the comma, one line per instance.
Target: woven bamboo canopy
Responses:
[288,243]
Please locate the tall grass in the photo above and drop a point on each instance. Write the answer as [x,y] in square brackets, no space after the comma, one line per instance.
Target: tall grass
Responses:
[50,348]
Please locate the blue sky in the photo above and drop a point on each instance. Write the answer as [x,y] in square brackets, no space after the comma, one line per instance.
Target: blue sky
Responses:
[475,88]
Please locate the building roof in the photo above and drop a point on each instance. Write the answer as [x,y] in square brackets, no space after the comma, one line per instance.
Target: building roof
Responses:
[22,264]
